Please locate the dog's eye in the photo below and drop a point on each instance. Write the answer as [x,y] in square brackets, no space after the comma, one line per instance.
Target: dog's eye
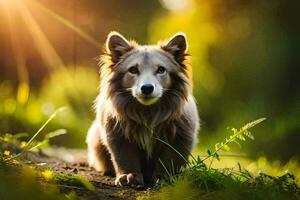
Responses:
[133,70]
[161,70]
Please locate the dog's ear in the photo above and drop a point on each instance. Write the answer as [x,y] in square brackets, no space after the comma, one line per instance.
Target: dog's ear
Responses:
[117,45]
[177,46]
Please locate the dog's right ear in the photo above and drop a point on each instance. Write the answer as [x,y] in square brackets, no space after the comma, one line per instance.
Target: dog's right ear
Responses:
[177,46]
[117,45]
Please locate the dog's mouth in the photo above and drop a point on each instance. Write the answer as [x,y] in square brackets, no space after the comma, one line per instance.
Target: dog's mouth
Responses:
[147,100]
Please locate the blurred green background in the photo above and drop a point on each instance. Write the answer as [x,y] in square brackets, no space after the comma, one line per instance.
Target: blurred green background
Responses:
[245,55]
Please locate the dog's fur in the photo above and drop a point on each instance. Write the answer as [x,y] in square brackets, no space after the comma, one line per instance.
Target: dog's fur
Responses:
[123,140]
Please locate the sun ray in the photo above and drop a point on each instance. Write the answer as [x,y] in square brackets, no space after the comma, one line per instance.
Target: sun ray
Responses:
[47,51]
[23,88]
[68,24]
[40,41]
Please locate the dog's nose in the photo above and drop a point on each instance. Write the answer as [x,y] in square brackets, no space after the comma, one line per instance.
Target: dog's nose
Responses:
[147,89]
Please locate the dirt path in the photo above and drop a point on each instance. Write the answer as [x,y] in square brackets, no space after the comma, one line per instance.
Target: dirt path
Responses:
[74,162]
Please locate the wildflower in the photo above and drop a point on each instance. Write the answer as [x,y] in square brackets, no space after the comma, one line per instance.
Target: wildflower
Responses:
[7,137]
[48,174]
[6,153]
[23,144]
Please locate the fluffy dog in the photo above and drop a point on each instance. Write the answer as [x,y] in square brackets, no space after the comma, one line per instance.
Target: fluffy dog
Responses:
[145,101]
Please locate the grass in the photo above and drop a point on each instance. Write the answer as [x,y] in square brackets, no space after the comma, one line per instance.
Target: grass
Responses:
[204,183]
[32,144]
[201,181]
[66,179]
[23,181]
[16,116]
[198,180]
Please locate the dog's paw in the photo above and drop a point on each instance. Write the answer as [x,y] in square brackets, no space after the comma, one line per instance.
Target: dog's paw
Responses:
[131,179]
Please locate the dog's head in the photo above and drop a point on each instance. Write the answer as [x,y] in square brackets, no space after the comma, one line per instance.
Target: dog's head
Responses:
[147,72]
[147,84]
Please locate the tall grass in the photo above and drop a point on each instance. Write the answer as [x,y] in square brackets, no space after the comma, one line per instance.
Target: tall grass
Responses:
[200,181]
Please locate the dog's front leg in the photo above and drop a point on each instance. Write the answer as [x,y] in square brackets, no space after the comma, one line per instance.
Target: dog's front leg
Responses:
[171,159]
[126,161]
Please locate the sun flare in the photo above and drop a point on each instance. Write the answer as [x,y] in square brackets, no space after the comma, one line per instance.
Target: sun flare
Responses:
[24,10]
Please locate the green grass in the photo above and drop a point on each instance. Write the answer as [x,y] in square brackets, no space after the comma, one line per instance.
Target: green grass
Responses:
[211,184]
[20,181]
[16,116]
[197,181]
[23,181]
[65,179]
[200,181]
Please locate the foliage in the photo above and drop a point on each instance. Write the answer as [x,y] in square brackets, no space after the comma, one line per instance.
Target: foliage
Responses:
[12,147]
[16,173]
[66,179]
[201,181]
[206,183]
[234,138]
[75,90]
[21,183]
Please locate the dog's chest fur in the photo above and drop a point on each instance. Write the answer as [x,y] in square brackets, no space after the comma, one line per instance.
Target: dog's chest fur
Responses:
[147,137]
[141,134]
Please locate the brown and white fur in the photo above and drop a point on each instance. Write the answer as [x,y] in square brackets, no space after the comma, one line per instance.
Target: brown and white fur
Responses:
[145,94]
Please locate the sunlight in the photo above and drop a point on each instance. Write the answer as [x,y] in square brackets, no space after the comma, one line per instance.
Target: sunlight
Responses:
[41,42]
[68,24]
[6,2]
[9,3]
[45,48]
[176,5]
[23,88]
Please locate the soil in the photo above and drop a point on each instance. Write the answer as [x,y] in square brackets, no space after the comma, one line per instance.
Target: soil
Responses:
[74,162]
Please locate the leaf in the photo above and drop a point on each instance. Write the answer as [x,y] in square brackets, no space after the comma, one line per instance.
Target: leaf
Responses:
[241,137]
[217,146]
[253,123]
[55,133]
[234,130]
[237,134]
[45,124]
[208,152]
[225,147]
[217,156]
[39,144]
[20,135]
[45,141]
[237,143]
[249,135]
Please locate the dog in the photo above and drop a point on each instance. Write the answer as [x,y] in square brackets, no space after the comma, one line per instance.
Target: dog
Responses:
[146,116]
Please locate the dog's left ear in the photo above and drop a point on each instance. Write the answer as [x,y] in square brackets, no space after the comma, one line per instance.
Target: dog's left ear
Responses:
[117,45]
[177,46]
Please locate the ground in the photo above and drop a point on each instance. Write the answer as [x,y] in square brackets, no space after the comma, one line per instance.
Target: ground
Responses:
[74,162]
